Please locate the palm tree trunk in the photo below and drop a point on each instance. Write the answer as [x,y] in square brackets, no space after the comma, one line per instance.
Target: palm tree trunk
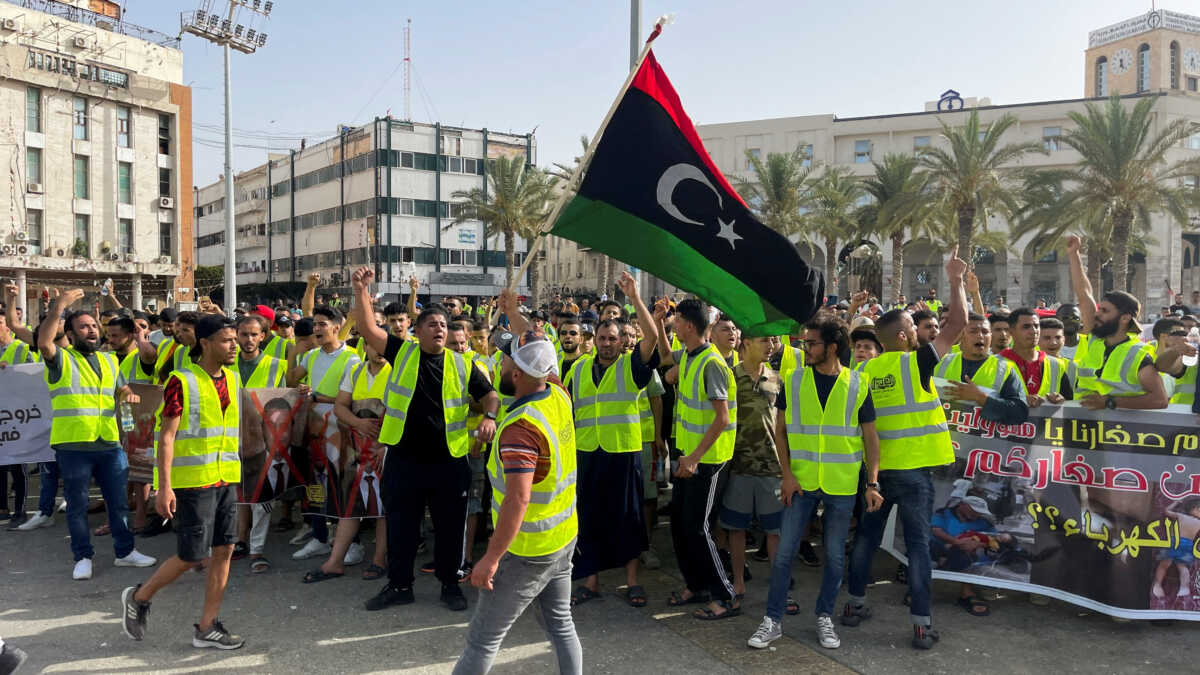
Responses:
[897,265]
[1094,264]
[509,246]
[831,280]
[1122,220]
[535,291]
[603,281]
[614,272]
[966,228]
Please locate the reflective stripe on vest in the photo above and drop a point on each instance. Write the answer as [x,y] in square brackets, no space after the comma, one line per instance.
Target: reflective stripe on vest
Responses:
[1185,387]
[646,415]
[269,372]
[206,443]
[910,421]
[825,443]
[1053,372]
[174,351]
[1116,375]
[16,353]
[277,347]
[606,415]
[696,413]
[791,359]
[82,403]
[378,386]
[131,368]
[331,379]
[990,375]
[455,399]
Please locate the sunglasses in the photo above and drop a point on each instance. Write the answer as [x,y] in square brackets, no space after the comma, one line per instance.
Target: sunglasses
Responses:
[1178,333]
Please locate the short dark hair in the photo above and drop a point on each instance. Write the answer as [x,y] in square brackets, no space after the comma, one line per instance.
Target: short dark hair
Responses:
[889,322]
[108,313]
[568,317]
[190,318]
[618,323]
[431,310]
[1165,326]
[976,316]
[304,327]
[331,313]
[460,325]
[139,314]
[923,315]
[72,316]
[478,324]
[999,315]
[124,323]
[694,312]
[833,331]
[261,320]
[1051,323]
[606,303]
[1015,315]
[394,308]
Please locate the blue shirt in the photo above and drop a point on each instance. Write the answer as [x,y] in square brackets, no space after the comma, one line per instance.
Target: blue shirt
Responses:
[948,521]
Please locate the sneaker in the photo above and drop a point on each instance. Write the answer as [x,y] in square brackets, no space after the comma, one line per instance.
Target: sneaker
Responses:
[465,572]
[761,555]
[312,549]
[134,614]
[62,506]
[924,637]
[825,633]
[768,631]
[453,598]
[853,614]
[422,547]
[808,555]
[37,521]
[11,659]
[301,537]
[650,559]
[390,596]
[83,570]
[216,637]
[354,555]
[15,522]
[135,559]
[429,567]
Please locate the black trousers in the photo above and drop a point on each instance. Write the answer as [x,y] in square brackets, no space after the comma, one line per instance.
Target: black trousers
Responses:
[407,488]
[693,503]
[20,485]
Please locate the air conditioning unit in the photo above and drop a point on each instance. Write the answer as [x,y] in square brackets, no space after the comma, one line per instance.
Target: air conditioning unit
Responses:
[166,203]
[22,249]
[114,256]
[79,42]
[20,235]
[164,259]
[8,24]
[129,257]
[7,249]
[34,187]
[61,253]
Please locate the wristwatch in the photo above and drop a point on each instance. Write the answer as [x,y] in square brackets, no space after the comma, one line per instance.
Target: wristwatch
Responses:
[1110,402]
[490,415]
[873,486]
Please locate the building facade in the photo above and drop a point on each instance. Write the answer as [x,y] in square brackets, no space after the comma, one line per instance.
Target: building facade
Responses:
[380,194]
[99,145]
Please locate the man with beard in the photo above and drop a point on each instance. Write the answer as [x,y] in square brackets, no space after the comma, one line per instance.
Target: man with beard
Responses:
[166,330]
[124,336]
[85,387]
[172,353]
[1116,371]
[570,339]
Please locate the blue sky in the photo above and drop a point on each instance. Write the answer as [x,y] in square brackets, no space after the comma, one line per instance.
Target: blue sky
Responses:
[556,66]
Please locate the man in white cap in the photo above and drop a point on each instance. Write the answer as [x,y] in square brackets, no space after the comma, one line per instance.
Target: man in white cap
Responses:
[532,472]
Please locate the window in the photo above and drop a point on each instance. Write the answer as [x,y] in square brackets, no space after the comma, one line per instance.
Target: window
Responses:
[806,154]
[125,236]
[82,235]
[1193,142]
[33,165]
[456,164]
[164,240]
[82,190]
[406,160]
[122,127]
[33,230]
[1174,65]
[1102,76]
[33,109]
[920,143]
[124,183]
[456,256]
[1143,68]
[164,134]
[164,182]
[1193,83]
[469,165]
[751,155]
[1052,138]
[81,118]
[862,152]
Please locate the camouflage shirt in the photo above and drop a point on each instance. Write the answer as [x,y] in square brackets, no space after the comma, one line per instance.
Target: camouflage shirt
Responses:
[754,445]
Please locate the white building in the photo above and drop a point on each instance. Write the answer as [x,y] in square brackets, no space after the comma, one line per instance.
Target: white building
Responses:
[379,194]
[98,143]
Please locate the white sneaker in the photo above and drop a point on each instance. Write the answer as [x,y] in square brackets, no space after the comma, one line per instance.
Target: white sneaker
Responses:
[83,570]
[310,550]
[768,631]
[301,537]
[135,559]
[829,637]
[650,559]
[38,520]
[355,554]
[62,507]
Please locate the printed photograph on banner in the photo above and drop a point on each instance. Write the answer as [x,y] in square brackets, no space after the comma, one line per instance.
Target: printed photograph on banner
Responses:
[272,463]
[365,457]
[138,441]
[326,491]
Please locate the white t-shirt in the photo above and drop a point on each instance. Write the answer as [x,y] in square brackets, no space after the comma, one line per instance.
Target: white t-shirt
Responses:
[324,360]
[348,379]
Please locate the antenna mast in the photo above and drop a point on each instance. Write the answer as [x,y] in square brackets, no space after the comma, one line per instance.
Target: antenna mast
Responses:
[408,71]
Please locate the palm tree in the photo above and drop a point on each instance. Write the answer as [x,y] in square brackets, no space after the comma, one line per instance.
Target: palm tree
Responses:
[833,198]
[901,210]
[775,194]
[516,205]
[970,177]
[1122,178]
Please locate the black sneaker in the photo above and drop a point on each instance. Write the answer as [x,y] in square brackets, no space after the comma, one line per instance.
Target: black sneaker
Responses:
[453,598]
[11,658]
[421,547]
[853,615]
[429,567]
[761,555]
[216,637]
[389,596]
[15,522]
[133,614]
[924,637]
[902,573]
[808,555]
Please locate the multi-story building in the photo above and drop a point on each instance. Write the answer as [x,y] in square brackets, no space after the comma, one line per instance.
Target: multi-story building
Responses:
[98,138]
[380,194]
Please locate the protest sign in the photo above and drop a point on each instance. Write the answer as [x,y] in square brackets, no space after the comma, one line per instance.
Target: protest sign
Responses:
[139,443]
[273,459]
[1097,508]
[24,415]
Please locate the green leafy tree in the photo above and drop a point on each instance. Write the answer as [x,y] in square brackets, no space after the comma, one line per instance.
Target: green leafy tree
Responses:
[775,195]
[901,211]
[833,216]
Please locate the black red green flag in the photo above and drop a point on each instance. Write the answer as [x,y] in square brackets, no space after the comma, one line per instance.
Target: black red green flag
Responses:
[652,197]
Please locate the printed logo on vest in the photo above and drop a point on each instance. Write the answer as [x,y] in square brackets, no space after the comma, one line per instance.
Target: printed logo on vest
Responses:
[883,383]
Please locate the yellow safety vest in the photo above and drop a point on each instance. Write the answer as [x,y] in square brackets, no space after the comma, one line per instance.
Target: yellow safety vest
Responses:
[606,415]
[180,357]
[16,353]
[1185,387]
[1054,369]
[269,372]
[277,347]
[910,420]
[131,368]
[378,386]
[455,398]
[332,379]
[825,443]
[696,412]
[83,403]
[791,359]
[496,362]
[206,443]
[933,305]
[990,375]
[1115,376]
[550,523]
[646,415]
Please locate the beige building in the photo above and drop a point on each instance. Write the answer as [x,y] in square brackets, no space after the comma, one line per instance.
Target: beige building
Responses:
[98,144]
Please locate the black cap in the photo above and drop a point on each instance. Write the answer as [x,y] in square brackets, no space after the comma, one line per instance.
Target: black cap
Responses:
[283,320]
[210,324]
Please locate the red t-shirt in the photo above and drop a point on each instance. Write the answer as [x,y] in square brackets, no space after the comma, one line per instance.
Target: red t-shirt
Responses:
[173,396]
[1031,371]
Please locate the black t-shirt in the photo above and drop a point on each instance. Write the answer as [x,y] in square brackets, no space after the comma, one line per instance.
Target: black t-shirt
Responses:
[424,439]
[824,384]
[927,361]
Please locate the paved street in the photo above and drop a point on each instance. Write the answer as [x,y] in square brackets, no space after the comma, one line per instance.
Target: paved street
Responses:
[70,626]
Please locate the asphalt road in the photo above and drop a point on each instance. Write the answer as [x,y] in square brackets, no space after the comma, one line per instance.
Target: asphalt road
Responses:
[73,626]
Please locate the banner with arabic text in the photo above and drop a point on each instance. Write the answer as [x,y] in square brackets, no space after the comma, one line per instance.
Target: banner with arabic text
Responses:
[24,415]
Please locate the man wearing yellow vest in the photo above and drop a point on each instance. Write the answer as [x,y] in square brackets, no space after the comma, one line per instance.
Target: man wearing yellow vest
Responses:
[459,339]
[823,432]
[85,386]
[532,472]
[1172,349]
[932,302]
[724,336]
[275,345]
[1045,376]
[425,428]
[1116,371]
[570,341]
[706,422]
[982,378]
[197,474]
[913,439]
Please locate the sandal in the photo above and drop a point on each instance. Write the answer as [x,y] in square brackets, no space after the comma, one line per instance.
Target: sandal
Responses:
[635,596]
[974,605]
[677,599]
[319,574]
[792,608]
[706,613]
[102,531]
[582,595]
[373,572]
[259,565]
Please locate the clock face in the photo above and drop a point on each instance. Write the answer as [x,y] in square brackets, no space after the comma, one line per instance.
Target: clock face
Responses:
[1122,61]
[1191,61]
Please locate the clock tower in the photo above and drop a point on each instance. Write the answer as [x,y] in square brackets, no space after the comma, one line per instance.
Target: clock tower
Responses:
[1156,51]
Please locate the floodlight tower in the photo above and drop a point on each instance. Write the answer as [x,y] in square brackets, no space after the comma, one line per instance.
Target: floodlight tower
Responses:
[231,32]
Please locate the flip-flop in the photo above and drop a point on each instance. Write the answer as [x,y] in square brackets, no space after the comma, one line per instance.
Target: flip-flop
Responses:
[706,614]
[974,605]
[259,565]
[373,572]
[677,599]
[102,531]
[635,596]
[582,595]
[792,607]
[319,574]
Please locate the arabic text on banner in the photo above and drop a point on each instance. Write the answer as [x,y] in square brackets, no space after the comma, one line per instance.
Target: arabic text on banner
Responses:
[24,415]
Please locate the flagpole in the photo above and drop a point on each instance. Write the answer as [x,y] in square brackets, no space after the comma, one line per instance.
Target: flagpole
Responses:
[577,177]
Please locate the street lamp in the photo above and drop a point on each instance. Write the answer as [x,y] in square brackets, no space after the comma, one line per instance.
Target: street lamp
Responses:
[228,32]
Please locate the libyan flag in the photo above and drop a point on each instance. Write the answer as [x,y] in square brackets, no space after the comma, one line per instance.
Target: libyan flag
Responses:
[652,197]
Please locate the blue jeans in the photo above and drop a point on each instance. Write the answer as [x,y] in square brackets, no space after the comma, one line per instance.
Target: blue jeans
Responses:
[912,491]
[47,487]
[838,509]
[110,468]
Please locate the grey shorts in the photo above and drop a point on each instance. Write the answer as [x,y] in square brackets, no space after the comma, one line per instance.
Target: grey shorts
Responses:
[205,517]
[749,496]
[649,484]
[478,484]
